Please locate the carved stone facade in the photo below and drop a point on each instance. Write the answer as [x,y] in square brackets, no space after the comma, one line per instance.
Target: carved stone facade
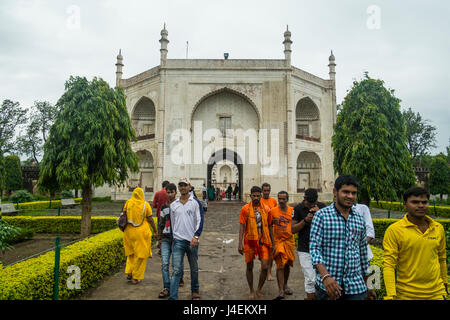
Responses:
[253,121]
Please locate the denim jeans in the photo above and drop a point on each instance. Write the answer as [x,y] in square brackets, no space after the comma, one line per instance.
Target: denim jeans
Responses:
[166,252]
[179,248]
[323,295]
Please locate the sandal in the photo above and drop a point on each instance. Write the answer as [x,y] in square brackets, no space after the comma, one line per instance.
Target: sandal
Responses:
[288,291]
[129,277]
[279,298]
[134,281]
[164,294]
[195,296]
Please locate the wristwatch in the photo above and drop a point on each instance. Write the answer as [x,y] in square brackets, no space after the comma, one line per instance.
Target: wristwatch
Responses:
[196,237]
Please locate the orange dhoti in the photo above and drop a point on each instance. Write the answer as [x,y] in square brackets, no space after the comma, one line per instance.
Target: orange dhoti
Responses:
[284,243]
[284,253]
[250,253]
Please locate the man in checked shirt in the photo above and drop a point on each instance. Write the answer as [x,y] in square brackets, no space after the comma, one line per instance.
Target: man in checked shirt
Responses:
[338,247]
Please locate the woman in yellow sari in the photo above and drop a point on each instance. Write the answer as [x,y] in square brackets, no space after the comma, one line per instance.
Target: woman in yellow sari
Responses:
[137,235]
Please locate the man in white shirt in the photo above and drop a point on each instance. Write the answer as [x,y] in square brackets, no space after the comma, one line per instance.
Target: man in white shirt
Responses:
[370,230]
[186,220]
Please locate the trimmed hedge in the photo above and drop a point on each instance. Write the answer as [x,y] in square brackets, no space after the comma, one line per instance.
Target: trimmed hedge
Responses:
[441,211]
[33,279]
[380,225]
[39,205]
[61,225]
[378,261]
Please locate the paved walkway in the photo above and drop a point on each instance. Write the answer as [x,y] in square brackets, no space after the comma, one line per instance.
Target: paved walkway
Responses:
[221,267]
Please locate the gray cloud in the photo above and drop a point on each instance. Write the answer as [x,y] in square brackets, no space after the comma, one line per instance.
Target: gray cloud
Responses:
[40,48]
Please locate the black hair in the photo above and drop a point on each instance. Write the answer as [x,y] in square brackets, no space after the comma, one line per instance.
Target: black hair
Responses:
[311,195]
[416,192]
[346,179]
[265,184]
[165,183]
[171,187]
[284,192]
[255,189]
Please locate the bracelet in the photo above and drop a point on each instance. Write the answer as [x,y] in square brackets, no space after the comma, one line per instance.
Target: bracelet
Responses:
[325,276]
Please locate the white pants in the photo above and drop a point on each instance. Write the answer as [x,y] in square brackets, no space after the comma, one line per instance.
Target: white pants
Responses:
[308,271]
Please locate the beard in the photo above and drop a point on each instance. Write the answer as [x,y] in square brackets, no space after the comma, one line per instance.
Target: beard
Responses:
[343,205]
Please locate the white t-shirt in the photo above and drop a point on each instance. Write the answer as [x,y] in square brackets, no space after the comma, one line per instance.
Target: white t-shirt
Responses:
[184,219]
[370,230]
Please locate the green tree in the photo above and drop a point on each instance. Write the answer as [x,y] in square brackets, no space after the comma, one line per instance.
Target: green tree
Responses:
[13,174]
[11,116]
[30,143]
[90,142]
[440,176]
[370,142]
[420,135]
[2,175]
[42,117]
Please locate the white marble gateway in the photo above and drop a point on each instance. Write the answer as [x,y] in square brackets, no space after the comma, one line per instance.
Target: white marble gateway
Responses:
[251,121]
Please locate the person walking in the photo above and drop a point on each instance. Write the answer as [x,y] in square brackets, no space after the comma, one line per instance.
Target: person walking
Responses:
[301,224]
[338,246]
[284,242]
[186,221]
[204,192]
[414,262]
[165,233]
[137,235]
[267,200]
[255,239]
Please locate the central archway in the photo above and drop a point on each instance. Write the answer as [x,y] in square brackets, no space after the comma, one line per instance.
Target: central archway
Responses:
[221,156]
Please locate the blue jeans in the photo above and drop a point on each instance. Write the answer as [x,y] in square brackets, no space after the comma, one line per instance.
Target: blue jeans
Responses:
[323,295]
[179,248]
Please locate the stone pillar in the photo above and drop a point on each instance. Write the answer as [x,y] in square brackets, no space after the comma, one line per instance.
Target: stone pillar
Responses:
[164,42]
[119,66]
[287,47]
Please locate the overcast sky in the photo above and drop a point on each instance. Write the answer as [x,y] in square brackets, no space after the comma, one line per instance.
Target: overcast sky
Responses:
[404,43]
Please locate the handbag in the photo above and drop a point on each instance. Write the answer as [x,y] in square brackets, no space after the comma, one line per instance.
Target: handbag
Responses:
[123,221]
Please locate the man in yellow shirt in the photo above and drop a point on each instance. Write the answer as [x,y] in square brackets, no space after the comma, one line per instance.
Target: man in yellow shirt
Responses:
[415,248]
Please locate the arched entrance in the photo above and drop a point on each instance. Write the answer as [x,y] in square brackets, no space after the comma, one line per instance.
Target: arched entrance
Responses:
[224,160]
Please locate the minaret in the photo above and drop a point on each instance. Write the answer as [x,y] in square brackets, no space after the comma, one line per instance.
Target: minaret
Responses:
[332,66]
[287,46]
[164,42]
[119,66]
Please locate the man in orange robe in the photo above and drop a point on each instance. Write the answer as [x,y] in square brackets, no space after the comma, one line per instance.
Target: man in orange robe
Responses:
[280,219]
[271,203]
[255,238]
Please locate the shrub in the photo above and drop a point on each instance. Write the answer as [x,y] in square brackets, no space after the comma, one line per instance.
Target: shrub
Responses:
[23,235]
[380,226]
[22,196]
[62,225]
[7,233]
[40,205]
[33,279]
[378,261]
[441,211]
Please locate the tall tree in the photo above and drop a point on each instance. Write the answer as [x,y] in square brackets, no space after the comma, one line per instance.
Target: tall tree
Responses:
[11,116]
[13,174]
[420,135]
[370,141]
[440,176]
[31,142]
[90,142]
